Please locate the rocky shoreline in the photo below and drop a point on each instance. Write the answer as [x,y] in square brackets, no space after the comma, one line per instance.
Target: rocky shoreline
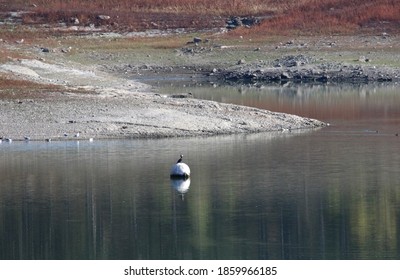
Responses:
[303,69]
[101,96]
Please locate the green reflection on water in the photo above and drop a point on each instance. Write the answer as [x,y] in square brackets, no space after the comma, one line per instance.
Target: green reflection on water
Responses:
[326,194]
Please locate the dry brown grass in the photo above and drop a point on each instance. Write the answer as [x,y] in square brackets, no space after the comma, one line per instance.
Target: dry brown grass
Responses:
[11,88]
[302,16]
[336,16]
[137,15]
[219,7]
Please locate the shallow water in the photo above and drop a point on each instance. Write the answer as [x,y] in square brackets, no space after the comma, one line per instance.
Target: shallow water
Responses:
[332,193]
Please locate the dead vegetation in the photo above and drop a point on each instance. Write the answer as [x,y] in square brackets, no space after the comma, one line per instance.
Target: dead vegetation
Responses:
[12,88]
[337,17]
[290,16]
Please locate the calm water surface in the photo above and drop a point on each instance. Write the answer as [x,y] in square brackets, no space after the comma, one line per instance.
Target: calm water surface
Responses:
[332,193]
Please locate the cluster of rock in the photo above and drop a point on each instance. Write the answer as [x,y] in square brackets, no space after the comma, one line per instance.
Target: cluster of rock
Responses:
[99,19]
[197,46]
[235,21]
[301,68]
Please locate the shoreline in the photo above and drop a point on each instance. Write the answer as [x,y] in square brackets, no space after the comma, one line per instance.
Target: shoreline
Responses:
[97,97]
[124,109]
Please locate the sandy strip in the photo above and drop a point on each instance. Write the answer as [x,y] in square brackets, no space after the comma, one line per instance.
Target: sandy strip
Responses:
[119,108]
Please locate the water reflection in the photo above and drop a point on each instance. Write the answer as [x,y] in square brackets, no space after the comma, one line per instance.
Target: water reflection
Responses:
[323,102]
[325,194]
[181,186]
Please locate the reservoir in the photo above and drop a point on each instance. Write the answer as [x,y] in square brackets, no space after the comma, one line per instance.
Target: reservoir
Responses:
[331,193]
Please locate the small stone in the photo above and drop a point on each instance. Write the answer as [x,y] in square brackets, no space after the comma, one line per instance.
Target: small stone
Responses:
[103,17]
[74,20]
[197,40]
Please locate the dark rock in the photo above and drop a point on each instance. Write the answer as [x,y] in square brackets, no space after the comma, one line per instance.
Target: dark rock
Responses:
[234,22]
[197,40]
[292,61]
[183,95]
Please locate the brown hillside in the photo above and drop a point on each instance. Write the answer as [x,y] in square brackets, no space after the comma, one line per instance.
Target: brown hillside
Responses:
[304,16]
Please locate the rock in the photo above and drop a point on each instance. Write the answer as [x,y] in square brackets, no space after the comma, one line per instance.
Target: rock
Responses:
[182,95]
[197,40]
[249,21]
[363,59]
[292,61]
[66,50]
[285,76]
[103,17]
[234,22]
[74,20]
[301,68]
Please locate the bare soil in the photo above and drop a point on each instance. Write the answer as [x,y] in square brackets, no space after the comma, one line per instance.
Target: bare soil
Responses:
[99,105]
[92,82]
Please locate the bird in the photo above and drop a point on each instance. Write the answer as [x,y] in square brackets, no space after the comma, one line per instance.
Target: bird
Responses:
[27,138]
[180,170]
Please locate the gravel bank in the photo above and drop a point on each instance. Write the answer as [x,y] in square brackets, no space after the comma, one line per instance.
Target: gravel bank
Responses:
[304,69]
[118,108]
